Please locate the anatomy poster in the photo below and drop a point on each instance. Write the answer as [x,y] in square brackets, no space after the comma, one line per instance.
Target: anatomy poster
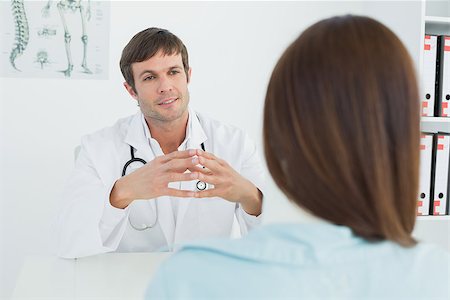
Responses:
[54,39]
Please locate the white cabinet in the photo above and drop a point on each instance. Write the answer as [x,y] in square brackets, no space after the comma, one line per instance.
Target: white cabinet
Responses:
[435,20]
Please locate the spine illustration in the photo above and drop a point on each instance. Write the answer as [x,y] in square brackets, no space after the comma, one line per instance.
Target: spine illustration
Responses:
[21,30]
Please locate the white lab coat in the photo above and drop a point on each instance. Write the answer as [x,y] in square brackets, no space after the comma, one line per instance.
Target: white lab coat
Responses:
[87,224]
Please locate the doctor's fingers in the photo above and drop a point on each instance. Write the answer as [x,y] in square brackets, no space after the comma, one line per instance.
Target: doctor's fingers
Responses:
[175,177]
[200,170]
[212,179]
[215,165]
[211,156]
[180,165]
[178,155]
[178,193]
[209,193]
[206,154]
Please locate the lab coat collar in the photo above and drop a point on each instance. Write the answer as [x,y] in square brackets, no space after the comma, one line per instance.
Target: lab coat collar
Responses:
[135,137]
[195,131]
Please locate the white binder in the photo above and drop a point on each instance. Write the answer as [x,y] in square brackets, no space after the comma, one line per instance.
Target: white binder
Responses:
[426,151]
[429,75]
[441,174]
[444,76]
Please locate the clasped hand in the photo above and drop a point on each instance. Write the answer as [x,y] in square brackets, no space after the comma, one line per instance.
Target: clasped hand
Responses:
[151,180]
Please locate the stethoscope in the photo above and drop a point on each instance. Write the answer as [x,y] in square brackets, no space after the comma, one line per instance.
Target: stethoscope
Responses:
[200,185]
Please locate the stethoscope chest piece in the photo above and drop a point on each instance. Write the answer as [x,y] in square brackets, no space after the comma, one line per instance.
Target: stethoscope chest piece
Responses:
[201,185]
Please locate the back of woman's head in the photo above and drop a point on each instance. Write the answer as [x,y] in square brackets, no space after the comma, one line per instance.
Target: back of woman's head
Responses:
[341,127]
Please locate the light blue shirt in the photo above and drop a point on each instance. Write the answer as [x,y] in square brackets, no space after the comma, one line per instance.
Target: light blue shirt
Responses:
[303,261]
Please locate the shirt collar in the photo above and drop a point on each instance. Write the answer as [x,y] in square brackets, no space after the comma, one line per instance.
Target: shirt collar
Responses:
[195,135]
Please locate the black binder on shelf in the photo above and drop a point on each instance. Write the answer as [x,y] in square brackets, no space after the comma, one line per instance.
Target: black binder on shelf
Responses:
[441,174]
[426,155]
[430,75]
[443,66]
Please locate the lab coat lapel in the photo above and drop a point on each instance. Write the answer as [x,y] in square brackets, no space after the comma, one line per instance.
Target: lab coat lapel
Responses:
[136,138]
[197,137]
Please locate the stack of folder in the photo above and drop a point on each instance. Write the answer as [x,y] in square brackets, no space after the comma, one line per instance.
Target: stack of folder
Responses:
[434,187]
[436,76]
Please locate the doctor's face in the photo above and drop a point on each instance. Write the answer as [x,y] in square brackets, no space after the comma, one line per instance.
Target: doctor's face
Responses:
[161,87]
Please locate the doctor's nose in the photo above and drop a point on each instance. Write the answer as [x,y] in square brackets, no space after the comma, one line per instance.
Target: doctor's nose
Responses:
[164,86]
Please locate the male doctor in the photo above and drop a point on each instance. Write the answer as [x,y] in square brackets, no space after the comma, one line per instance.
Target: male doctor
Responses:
[164,176]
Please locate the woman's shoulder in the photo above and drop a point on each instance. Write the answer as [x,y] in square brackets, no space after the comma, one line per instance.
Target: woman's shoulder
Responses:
[300,246]
[312,254]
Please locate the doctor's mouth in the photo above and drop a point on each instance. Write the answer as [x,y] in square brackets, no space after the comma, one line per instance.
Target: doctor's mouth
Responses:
[168,101]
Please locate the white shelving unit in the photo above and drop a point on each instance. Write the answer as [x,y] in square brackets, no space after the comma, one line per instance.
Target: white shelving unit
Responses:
[433,218]
[435,25]
[435,20]
[435,124]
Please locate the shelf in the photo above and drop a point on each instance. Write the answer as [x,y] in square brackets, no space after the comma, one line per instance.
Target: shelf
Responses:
[437,20]
[437,25]
[435,124]
[435,120]
[433,218]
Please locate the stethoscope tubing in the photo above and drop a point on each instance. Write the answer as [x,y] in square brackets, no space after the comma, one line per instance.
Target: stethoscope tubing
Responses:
[132,160]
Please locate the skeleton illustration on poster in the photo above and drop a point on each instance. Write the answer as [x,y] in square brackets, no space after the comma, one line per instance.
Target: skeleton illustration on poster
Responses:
[55,39]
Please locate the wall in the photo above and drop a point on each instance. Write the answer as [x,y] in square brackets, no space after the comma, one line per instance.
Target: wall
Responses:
[233,48]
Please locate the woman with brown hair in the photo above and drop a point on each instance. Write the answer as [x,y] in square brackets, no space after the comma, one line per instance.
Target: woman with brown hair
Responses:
[341,138]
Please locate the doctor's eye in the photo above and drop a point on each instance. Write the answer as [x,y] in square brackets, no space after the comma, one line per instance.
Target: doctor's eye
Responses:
[174,72]
[151,77]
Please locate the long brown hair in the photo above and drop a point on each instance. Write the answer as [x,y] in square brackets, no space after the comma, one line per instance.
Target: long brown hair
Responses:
[341,127]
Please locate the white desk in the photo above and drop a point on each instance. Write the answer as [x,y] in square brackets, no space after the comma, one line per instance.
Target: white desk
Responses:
[106,276]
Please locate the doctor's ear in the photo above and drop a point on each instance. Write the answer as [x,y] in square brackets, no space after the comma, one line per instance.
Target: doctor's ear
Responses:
[189,72]
[130,90]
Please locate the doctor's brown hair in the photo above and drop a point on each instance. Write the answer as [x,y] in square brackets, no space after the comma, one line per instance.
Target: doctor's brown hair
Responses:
[341,127]
[145,44]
